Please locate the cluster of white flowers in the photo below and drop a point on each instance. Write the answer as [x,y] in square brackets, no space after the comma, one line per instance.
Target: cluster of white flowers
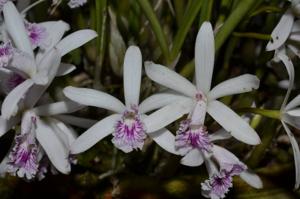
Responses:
[30,59]
[284,40]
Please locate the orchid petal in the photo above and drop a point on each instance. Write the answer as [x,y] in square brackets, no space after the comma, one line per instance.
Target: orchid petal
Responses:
[282,31]
[292,120]
[165,139]
[252,179]
[166,115]
[221,134]
[53,146]
[48,67]
[240,84]
[76,121]
[94,134]
[24,63]
[11,102]
[62,107]
[132,75]
[294,103]
[204,57]
[193,158]
[90,97]
[223,156]
[233,123]
[294,112]
[75,40]
[296,152]
[291,72]
[14,24]
[169,79]
[68,135]
[65,69]
[158,100]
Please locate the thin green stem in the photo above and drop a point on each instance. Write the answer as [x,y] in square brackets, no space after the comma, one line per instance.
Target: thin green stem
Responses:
[156,27]
[206,11]
[31,6]
[233,20]
[275,114]
[252,35]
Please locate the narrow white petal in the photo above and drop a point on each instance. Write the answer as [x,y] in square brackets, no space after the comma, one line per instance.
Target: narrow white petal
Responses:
[65,69]
[193,159]
[223,156]
[293,104]
[55,31]
[76,121]
[166,115]
[90,97]
[14,24]
[240,84]
[53,146]
[11,102]
[170,79]
[48,67]
[282,31]
[252,179]
[296,152]
[294,112]
[204,57]
[24,63]
[56,108]
[132,75]
[75,40]
[159,100]
[296,26]
[165,139]
[221,134]
[291,72]
[233,123]
[69,135]
[94,134]
[291,120]
[34,94]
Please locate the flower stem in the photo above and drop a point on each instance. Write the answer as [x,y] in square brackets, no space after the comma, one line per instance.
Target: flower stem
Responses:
[275,114]
[252,35]
[156,27]
[233,20]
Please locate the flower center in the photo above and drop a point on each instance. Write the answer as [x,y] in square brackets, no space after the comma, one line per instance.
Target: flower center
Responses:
[129,131]
[190,136]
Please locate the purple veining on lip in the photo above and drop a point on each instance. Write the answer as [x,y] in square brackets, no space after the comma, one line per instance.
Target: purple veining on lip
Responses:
[23,160]
[36,33]
[189,137]
[6,53]
[129,131]
[218,185]
[76,3]
[2,2]
[12,81]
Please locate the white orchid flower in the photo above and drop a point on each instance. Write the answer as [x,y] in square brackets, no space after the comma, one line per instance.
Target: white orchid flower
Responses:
[76,3]
[192,133]
[43,139]
[290,113]
[129,125]
[286,34]
[220,176]
[37,71]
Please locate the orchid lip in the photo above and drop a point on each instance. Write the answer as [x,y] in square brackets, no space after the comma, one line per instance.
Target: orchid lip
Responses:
[129,131]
